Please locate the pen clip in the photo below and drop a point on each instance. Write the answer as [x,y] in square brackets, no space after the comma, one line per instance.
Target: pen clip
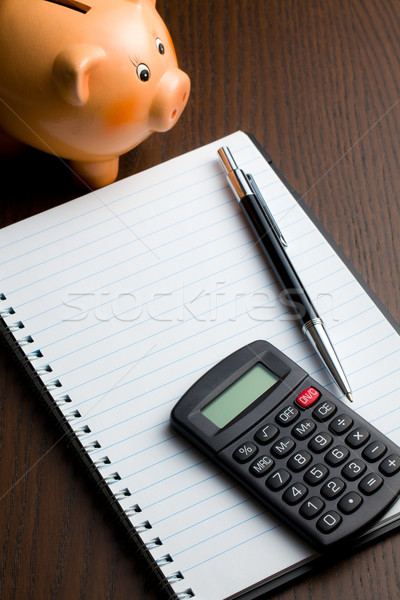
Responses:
[264,207]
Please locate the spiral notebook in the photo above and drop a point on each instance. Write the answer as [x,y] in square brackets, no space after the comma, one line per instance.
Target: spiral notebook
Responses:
[115,303]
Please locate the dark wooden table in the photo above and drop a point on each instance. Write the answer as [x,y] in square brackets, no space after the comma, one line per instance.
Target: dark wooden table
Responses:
[318,83]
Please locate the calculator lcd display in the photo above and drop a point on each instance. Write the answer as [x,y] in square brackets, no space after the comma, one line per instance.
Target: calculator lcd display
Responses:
[239,396]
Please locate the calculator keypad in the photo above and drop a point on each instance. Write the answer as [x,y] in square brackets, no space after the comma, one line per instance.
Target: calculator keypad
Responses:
[323,462]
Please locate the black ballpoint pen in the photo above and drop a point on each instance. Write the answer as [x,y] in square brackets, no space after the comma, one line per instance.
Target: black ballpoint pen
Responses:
[271,241]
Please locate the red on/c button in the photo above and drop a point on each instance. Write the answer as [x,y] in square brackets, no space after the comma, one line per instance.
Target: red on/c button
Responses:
[308,397]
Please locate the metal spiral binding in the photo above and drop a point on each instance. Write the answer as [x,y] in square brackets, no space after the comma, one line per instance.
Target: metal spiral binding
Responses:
[175,578]
[82,430]
[102,462]
[122,494]
[112,477]
[186,595]
[35,355]
[23,341]
[154,543]
[17,325]
[62,400]
[131,511]
[7,311]
[70,418]
[92,446]
[52,385]
[43,370]
[164,560]
[142,527]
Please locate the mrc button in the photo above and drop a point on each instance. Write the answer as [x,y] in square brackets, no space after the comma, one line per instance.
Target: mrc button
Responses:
[308,397]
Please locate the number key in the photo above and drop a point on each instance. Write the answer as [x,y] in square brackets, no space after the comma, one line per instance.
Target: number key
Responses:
[329,521]
[312,507]
[299,461]
[337,456]
[276,481]
[320,442]
[354,469]
[333,488]
[294,493]
[316,474]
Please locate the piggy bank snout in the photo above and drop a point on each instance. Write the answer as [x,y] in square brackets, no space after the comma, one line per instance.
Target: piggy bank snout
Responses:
[170,99]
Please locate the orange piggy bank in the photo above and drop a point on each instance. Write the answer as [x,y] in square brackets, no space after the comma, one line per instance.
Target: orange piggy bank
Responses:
[87,80]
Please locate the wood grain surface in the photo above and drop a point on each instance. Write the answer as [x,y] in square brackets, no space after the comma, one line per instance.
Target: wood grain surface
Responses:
[318,83]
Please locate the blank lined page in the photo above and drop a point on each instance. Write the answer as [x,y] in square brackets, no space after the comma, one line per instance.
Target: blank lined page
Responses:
[131,293]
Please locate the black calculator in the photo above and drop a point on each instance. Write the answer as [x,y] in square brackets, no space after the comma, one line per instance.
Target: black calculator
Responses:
[304,454]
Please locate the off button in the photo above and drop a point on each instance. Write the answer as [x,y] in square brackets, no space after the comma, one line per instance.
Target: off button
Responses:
[308,397]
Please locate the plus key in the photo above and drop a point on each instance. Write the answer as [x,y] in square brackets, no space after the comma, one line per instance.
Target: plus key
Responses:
[391,465]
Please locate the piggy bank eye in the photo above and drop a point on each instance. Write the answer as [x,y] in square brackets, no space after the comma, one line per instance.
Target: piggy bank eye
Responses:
[143,72]
[160,46]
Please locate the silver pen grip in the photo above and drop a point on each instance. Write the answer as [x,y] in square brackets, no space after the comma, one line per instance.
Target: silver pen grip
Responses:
[317,335]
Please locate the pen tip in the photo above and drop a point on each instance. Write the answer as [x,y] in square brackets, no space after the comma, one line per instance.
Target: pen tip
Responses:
[349,396]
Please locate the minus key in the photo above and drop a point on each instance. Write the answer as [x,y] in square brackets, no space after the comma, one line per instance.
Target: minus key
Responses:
[374,451]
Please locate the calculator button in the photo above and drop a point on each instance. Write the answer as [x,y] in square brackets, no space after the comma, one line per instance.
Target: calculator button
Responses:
[303,429]
[312,507]
[333,488]
[370,484]
[278,480]
[350,502]
[337,456]
[288,415]
[324,411]
[299,461]
[266,434]
[283,447]
[294,493]
[357,438]
[354,469]
[261,466]
[391,465]
[245,452]
[316,474]
[374,451]
[320,442]
[308,397]
[329,521]
[341,424]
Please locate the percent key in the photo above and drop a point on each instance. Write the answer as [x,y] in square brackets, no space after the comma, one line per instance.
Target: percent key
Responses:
[245,452]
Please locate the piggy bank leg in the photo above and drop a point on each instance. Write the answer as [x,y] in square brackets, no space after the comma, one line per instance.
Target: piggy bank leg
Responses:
[95,174]
[9,146]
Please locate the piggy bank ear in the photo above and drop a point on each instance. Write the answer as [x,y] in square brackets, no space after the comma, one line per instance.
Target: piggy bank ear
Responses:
[71,70]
